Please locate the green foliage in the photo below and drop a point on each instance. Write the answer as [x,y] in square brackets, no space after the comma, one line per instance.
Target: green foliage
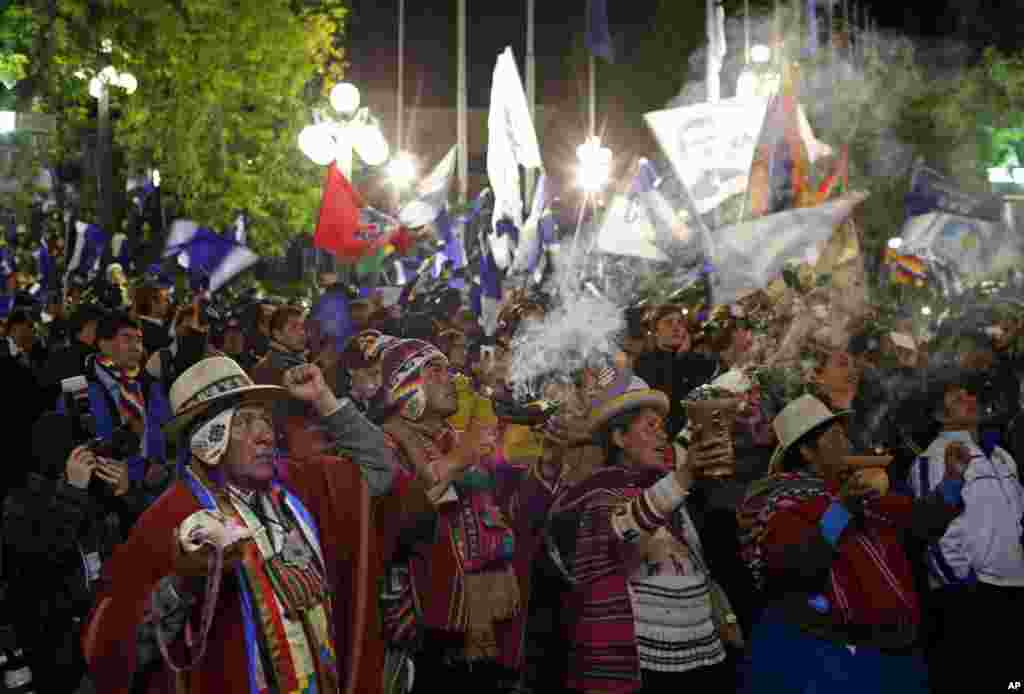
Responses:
[222,95]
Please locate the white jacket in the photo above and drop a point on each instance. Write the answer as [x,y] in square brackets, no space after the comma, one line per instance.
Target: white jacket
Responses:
[985,538]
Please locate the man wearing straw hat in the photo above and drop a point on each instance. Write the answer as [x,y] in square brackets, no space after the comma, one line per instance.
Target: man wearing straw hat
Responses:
[295,611]
[824,544]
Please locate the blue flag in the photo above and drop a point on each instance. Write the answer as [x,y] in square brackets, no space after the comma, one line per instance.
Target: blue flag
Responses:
[90,243]
[210,258]
[598,37]
[331,320]
[811,49]
[44,265]
[930,191]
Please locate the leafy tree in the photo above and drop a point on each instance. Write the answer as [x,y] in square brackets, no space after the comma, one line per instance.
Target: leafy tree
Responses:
[223,90]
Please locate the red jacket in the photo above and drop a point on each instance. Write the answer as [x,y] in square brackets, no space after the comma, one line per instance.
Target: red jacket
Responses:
[334,492]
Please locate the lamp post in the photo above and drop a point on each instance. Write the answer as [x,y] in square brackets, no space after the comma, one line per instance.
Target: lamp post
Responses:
[759,77]
[99,89]
[331,140]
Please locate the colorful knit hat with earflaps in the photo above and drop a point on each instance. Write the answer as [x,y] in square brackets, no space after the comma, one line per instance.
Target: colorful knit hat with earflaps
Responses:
[402,390]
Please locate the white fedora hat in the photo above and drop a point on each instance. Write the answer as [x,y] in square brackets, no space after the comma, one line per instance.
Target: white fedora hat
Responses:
[210,381]
[797,419]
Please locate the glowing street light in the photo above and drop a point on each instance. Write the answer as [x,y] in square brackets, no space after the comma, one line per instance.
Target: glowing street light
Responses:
[595,165]
[895,243]
[926,311]
[328,140]
[760,54]
[1006,175]
[345,98]
[99,89]
[402,170]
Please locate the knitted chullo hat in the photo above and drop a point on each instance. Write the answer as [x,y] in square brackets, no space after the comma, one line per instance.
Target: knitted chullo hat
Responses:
[402,390]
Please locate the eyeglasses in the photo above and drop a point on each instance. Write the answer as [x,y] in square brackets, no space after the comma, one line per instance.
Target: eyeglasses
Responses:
[253,420]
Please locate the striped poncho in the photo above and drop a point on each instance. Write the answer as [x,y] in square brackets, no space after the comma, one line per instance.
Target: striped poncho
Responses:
[599,562]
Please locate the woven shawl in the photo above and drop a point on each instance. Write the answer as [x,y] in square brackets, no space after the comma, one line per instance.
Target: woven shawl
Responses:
[603,654]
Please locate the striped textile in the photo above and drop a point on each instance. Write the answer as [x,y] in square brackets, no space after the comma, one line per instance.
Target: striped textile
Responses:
[675,629]
[870,581]
[604,654]
[297,644]
[764,498]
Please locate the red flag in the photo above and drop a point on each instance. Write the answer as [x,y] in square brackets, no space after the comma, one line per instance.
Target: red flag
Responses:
[337,227]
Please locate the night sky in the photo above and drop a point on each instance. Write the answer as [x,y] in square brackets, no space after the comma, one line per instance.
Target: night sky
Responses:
[431,41]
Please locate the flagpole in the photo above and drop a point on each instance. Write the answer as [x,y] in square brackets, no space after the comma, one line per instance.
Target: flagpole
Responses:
[531,83]
[831,32]
[463,110]
[400,100]
[592,64]
[712,85]
[746,32]
[798,26]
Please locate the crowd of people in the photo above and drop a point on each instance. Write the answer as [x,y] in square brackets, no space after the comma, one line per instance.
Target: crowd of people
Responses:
[245,502]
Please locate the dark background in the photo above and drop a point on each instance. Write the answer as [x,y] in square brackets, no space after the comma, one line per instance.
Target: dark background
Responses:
[431,42]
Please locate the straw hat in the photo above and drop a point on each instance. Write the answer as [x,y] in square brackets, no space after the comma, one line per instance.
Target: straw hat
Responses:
[211,381]
[627,393]
[796,419]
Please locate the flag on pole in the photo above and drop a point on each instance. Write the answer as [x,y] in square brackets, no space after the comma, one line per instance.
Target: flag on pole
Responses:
[812,28]
[780,172]
[211,259]
[431,194]
[331,320]
[339,221]
[645,223]
[749,255]
[511,140]
[930,191]
[489,294]
[44,264]
[598,36]
[531,241]
[90,243]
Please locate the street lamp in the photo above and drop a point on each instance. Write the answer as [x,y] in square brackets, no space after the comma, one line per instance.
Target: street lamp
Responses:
[595,165]
[99,86]
[402,171]
[329,140]
[895,243]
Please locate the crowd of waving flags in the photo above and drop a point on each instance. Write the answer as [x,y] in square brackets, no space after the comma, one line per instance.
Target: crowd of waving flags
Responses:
[794,192]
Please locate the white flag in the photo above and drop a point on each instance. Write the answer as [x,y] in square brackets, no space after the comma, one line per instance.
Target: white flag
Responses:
[711,146]
[431,194]
[511,140]
[748,256]
[962,251]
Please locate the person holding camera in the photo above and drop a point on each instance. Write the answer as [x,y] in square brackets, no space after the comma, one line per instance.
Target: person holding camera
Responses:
[58,530]
[118,399]
[825,543]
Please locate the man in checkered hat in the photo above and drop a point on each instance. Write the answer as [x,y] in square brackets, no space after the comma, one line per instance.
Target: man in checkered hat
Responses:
[454,558]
